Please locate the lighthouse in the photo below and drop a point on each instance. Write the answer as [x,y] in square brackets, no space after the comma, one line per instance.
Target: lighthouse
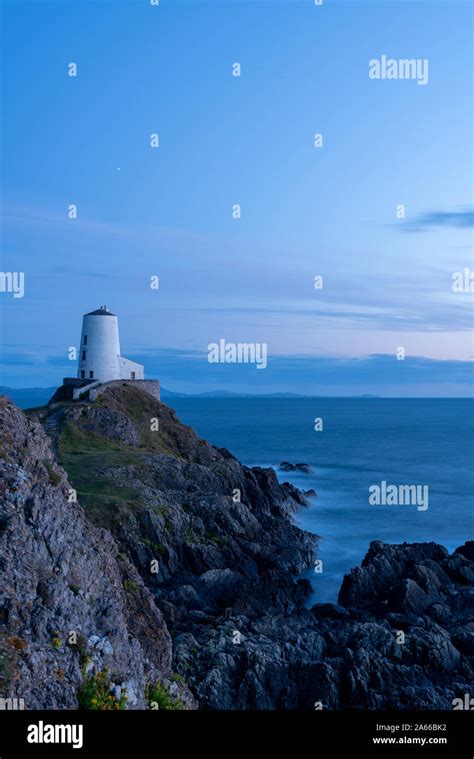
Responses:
[100,366]
[99,353]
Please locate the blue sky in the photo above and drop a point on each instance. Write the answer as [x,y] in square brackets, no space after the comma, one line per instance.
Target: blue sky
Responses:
[246,140]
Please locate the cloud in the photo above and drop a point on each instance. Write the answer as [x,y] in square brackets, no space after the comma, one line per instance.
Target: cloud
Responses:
[17,359]
[82,272]
[374,301]
[434,219]
[38,360]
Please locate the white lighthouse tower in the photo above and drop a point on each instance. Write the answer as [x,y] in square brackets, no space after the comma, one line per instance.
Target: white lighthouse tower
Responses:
[99,357]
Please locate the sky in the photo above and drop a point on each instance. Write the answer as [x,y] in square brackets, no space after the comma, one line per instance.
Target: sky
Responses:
[306,211]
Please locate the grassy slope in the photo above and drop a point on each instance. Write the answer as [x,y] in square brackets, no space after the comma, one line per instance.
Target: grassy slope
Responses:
[85,455]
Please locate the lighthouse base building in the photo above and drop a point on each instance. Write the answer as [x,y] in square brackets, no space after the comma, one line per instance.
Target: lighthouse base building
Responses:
[100,362]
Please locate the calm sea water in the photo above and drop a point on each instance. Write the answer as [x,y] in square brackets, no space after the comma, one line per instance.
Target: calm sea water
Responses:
[364,441]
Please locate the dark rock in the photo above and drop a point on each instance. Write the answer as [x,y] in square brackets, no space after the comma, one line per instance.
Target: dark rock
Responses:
[460,568]
[381,570]
[294,496]
[408,597]
[305,468]
[220,587]
[227,454]
[302,591]
[185,596]
[467,550]
[463,638]
[329,611]
[285,466]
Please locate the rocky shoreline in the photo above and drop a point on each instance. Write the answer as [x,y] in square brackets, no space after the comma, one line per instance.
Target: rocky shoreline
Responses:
[175,568]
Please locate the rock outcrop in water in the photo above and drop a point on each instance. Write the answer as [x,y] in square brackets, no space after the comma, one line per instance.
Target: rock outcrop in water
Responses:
[178,568]
[286,466]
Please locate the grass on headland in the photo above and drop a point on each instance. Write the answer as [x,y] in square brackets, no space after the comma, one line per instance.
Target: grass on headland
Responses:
[94,694]
[159,697]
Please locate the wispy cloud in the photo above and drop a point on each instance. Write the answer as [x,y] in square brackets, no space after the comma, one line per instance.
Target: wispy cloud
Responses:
[462,219]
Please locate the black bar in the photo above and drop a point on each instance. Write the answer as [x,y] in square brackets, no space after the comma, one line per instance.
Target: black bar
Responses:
[155,733]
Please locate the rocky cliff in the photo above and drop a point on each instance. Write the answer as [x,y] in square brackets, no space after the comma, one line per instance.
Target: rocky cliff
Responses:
[68,618]
[178,572]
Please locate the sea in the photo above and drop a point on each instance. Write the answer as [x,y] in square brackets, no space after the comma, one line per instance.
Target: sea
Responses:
[358,443]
